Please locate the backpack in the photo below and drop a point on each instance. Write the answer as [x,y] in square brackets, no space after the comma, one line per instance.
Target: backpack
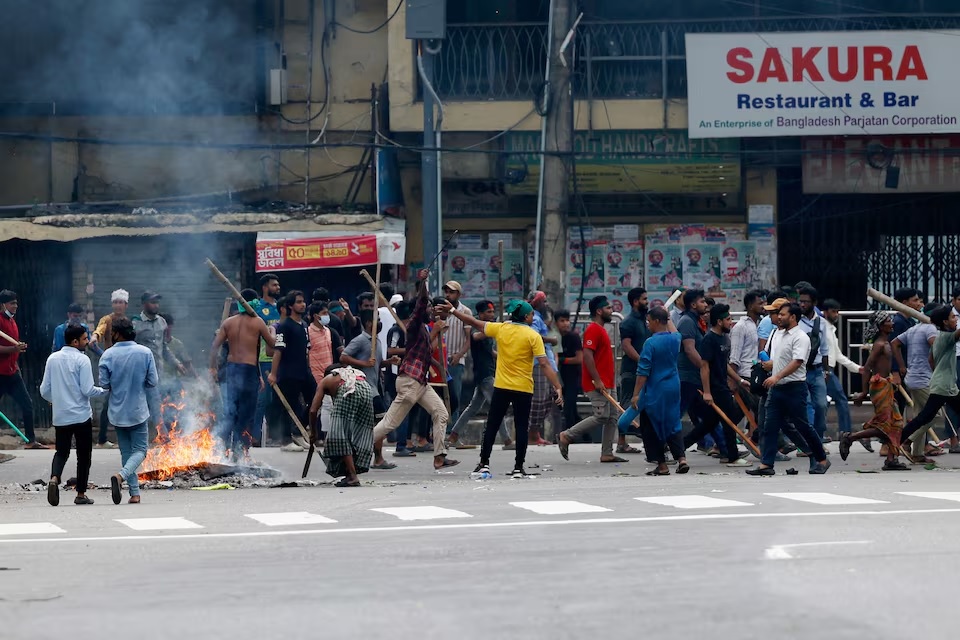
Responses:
[758,376]
[814,343]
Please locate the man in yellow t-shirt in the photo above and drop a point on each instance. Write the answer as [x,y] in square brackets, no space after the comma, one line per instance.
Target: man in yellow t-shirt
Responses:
[518,345]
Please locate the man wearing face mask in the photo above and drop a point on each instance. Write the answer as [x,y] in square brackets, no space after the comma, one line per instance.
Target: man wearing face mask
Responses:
[325,347]
[11,382]
[242,334]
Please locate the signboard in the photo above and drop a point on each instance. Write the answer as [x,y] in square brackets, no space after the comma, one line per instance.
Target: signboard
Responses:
[823,83]
[927,164]
[634,161]
[316,253]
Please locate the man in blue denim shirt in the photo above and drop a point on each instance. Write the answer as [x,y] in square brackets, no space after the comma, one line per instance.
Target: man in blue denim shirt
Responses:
[543,401]
[128,370]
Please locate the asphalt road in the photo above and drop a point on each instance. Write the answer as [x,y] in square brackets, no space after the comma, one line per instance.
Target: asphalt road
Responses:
[583,549]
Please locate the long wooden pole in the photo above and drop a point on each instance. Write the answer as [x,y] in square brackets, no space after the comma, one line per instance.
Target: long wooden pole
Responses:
[746,411]
[229,285]
[293,415]
[376,316]
[747,441]
[500,277]
[898,306]
[383,299]
[672,299]
[9,339]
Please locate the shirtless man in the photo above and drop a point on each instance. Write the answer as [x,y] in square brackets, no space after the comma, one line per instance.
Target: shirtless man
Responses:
[242,383]
[887,423]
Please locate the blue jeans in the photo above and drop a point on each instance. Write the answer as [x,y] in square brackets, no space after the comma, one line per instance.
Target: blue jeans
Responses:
[264,400]
[817,406]
[133,449]
[835,391]
[788,402]
[456,390]
[239,404]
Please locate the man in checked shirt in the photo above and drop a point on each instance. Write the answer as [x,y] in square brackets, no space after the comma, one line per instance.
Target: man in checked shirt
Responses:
[412,387]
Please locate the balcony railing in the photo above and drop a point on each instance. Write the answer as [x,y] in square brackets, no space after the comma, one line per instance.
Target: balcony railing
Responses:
[614,59]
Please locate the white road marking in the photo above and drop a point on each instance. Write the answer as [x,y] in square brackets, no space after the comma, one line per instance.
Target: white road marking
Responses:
[779,551]
[157,524]
[559,507]
[490,525]
[953,496]
[29,528]
[289,518]
[825,498]
[423,513]
[694,502]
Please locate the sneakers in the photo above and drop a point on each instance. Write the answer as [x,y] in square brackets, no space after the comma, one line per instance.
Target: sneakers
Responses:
[519,474]
[293,447]
[510,447]
[769,471]
[105,445]
[740,462]
[82,500]
[482,468]
[300,442]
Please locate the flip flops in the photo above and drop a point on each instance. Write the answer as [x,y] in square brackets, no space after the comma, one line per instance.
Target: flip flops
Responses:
[844,447]
[564,449]
[656,472]
[447,463]
[343,482]
[627,449]
[384,466]
[615,459]
[683,468]
[895,465]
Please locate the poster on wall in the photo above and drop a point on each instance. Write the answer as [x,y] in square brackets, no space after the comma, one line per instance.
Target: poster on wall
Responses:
[478,272]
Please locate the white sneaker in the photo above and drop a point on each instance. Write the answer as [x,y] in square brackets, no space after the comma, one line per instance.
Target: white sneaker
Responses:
[740,463]
[106,445]
[300,442]
[293,447]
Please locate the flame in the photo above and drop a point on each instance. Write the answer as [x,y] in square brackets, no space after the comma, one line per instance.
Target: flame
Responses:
[181,448]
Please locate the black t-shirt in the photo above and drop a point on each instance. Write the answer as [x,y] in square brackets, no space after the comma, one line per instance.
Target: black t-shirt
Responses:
[336,324]
[635,328]
[292,341]
[484,365]
[715,351]
[570,373]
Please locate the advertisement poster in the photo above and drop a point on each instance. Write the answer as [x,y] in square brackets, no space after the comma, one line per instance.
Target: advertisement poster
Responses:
[822,83]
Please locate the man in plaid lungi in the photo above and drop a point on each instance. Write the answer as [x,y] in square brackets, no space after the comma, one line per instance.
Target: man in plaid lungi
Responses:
[349,444]
[543,393]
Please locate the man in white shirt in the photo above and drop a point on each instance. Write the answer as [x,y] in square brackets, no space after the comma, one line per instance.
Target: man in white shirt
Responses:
[458,345]
[817,363]
[789,348]
[831,313]
[68,385]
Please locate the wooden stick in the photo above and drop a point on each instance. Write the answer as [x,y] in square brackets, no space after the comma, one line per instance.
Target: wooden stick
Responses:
[376,316]
[897,306]
[381,298]
[746,412]
[226,310]
[906,396]
[293,415]
[500,277]
[229,285]
[747,441]
[672,299]
[613,401]
[14,427]
[9,339]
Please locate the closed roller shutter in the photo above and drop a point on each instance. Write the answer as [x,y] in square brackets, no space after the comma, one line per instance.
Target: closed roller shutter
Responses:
[173,266]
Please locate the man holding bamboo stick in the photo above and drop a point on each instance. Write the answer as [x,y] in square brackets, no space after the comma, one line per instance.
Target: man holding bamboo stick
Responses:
[11,381]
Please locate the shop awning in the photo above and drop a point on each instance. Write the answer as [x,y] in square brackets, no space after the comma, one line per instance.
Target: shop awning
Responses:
[297,251]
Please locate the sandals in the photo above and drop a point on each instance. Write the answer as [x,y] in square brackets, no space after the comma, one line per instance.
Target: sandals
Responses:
[564,449]
[53,492]
[384,466]
[343,482]
[656,472]
[845,447]
[446,463]
[895,465]
[615,459]
[683,468]
[115,488]
[627,449]
[82,500]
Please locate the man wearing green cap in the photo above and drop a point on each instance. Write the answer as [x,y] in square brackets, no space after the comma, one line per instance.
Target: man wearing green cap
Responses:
[597,378]
[518,346]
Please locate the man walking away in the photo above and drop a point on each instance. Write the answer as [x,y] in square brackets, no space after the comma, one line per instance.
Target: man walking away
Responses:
[901,323]
[518,345]
[11,380]
[290,370]
[689,362]
[917,372]
[68,385]
[571,364]
[656,395]
[789,348]
[597,377]
[242,333]
[744,342]
[542,400]
[74,317]
[831,313]
[129,371]
[818,364]
[102,339]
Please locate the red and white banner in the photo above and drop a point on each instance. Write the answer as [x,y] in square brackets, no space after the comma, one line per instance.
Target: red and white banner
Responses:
[291,254]
[823,83]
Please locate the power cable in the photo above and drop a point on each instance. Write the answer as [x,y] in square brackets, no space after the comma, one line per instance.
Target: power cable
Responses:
[375,29]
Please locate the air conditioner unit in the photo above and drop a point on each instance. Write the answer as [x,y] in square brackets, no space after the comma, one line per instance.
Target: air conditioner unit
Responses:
[278,87]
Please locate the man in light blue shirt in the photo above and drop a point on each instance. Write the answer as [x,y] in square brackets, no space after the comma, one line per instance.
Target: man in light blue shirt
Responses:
[74,314]
[128,370]
[68,385]
[543,402]
[818,364]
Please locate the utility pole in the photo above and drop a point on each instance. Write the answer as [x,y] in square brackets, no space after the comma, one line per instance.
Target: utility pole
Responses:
[429,180]
[556,167]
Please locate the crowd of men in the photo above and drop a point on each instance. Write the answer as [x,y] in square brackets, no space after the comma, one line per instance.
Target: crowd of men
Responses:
[395,369]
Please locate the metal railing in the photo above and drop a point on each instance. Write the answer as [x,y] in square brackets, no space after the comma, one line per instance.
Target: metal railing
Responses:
[621,59]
